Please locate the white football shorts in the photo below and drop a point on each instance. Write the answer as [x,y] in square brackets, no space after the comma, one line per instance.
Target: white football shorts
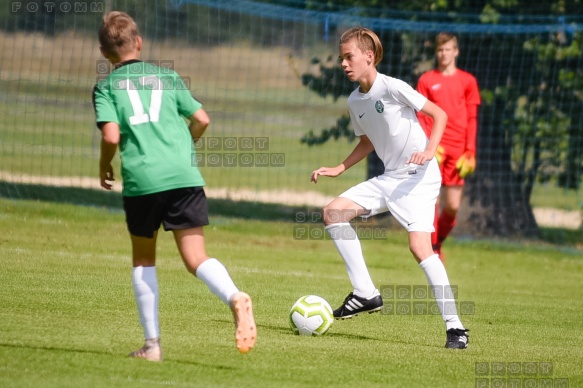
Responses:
[410,197]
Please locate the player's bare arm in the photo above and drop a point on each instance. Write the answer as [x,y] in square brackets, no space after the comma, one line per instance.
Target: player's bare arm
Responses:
[199,121]
[439,122]
[109,141]
[362,149]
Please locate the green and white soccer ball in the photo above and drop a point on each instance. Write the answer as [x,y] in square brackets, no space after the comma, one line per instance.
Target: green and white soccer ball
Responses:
[311,315]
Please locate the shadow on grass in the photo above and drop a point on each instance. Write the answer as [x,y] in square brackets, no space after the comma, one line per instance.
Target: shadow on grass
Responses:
[224,207]
[107,353]
[560,236]
[286,330]
[113,200]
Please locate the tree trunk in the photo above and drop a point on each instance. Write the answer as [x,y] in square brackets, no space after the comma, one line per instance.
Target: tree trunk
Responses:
[496,201]
[494,206]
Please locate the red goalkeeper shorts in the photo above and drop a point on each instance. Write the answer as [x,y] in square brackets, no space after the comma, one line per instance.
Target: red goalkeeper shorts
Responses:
[449,173]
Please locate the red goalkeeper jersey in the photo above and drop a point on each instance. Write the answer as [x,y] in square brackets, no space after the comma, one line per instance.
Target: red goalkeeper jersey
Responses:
[458,96]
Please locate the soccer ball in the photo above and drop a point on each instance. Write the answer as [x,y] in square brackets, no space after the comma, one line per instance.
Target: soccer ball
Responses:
[311,315]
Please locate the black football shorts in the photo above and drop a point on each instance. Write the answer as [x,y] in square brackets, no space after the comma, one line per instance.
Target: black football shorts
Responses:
[176,209]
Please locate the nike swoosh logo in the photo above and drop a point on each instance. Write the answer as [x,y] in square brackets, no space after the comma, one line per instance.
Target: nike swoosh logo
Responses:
[360,116]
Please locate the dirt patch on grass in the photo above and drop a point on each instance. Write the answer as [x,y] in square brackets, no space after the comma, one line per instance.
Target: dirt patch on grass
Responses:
[557,218]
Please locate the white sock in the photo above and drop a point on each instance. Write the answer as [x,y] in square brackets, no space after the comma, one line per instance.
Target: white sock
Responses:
[348,245]
[215,276]
[438,281]
[145,284]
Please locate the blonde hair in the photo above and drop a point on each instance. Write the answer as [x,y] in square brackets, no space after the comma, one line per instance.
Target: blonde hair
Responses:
[118,33]
[444,37]
[365,40]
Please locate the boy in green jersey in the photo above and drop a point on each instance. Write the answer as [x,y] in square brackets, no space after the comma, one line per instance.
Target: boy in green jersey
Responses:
[140,108]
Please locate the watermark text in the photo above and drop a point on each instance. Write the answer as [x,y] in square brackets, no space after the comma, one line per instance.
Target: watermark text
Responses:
[407,299]
[517,375]
[235,151]
[62,7]
[309,226]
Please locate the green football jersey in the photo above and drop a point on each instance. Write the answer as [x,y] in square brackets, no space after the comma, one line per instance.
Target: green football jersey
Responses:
[149,103]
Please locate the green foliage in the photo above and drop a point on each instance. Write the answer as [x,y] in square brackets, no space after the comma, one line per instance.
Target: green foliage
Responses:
[341,129]
[330,81]
[489,15]
[557,132]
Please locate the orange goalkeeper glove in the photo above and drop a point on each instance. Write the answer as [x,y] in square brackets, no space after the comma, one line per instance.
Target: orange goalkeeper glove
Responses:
[466,164]
[439,154]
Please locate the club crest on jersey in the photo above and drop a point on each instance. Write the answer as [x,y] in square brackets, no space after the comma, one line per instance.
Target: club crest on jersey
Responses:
[379,106]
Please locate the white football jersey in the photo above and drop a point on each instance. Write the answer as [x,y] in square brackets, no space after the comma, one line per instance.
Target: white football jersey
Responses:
[387,116]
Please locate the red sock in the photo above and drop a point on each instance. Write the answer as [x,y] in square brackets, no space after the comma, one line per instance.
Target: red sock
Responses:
[434,240]
[445,224]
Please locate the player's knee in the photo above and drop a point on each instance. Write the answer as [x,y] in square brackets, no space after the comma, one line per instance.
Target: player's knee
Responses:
[327,216]
[416,253]
[420,249]
[333,215]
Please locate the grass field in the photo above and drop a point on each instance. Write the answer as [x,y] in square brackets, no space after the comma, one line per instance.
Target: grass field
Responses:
[69,320]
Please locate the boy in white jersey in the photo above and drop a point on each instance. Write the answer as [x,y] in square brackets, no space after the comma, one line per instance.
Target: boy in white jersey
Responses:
[383,115]
[140,107]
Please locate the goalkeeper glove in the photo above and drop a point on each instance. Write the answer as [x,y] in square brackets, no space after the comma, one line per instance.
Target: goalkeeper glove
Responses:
[466,164]
[439,154]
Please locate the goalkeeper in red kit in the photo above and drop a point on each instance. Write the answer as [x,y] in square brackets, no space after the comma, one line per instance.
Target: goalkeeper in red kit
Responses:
[456,92]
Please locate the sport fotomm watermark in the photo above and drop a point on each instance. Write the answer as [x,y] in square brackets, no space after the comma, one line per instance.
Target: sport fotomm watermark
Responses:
[407,299]
[309,226]
[136,76]
[161,66]
[517,375]
[64,7]
[235,151]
